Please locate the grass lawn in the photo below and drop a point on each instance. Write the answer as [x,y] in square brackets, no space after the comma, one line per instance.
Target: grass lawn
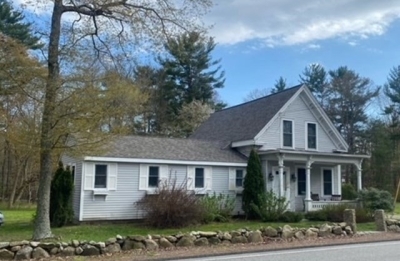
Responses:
[18,226]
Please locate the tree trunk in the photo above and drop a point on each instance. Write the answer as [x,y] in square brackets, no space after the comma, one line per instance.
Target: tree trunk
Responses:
[42,225]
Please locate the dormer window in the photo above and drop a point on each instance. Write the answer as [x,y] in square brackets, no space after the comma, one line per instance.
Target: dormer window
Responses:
[287,131]
[311,136]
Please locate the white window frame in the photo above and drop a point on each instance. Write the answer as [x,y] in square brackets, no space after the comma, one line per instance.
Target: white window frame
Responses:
[89,175]
[316,135]
[282,134]
[144,173]
[106,178]
[323,181]
[236,178]
[233,177]
[191,179]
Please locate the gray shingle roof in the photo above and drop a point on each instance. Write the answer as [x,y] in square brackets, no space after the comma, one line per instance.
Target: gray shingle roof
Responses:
[145,147]
[244,121]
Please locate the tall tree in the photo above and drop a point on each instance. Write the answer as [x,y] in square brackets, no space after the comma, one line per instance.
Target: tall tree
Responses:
[190,72]
[12,24]
[253,186]
[102,26]
[280,85]
[316,78]
[349,97]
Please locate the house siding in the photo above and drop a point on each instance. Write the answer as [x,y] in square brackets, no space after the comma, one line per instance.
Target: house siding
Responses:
[118,204]
[77,183]
[300,114]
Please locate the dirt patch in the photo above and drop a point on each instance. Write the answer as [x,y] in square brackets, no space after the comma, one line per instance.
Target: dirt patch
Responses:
[270,244]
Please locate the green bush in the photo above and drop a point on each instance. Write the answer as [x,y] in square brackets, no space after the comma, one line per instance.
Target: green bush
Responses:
[318,215]
[217,208]
[334,213]
[253,185]
[349,192]
[270,208]
[291,217]
[61,192]
[373,199]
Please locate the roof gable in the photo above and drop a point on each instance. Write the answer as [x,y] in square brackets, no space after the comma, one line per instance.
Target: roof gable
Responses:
[244,121]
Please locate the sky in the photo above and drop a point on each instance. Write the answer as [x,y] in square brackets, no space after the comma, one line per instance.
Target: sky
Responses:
[259,41]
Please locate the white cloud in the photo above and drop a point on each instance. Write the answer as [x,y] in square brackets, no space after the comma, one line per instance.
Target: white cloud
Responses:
[291,22]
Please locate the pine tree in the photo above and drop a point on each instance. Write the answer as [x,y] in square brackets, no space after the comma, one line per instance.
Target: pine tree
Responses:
[61,211]
[12,25]
[254,186]
[315,77]
[279,86]
[190,73]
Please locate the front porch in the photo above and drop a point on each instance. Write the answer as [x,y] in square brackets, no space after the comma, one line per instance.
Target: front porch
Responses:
[309,180]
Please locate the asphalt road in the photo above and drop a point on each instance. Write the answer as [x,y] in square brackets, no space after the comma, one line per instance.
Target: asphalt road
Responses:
[382,251]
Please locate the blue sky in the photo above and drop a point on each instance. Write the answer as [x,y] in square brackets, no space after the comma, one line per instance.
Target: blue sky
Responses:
[260,40]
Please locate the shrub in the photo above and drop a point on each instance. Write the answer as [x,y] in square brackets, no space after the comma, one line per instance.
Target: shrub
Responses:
[270,208]
[374,199]
[349,192]
[217,208]
[253,186]
[291,217]
[319,215]
[334,213]
[171,206]
[61,191]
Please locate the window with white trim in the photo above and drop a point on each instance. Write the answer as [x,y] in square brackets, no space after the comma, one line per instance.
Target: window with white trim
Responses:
[239,178]
[311,136]
[327,181]
[199,178]
[287,130]
[154,172]
[100,176]
[301,181]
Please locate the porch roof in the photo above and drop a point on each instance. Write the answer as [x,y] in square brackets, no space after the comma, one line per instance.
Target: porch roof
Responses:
[315,156]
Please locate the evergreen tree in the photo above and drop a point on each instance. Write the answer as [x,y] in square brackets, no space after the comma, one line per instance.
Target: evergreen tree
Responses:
[253,186]
[279,86]
[190,73]
[12,25]
[62,185]
[315,77]
[349,96]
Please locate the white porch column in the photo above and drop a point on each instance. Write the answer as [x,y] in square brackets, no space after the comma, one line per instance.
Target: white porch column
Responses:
[339,179]
[307,200]
[359,172]
[281,169]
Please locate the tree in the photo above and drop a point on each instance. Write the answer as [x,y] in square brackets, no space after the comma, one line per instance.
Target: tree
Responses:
[12,25]
[256,94]
[102,26]
[190,117]
[279,86]
[349,97]
[189,72]
[62,187]
[315,77]
[253,186]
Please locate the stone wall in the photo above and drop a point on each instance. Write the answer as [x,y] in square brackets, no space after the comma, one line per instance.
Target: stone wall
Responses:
[393,225]
[21,250]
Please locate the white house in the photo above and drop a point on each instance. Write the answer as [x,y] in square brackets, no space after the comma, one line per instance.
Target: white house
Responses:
[301,152]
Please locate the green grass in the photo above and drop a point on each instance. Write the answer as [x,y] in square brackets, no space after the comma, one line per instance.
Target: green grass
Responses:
[18,226]
[397,209]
